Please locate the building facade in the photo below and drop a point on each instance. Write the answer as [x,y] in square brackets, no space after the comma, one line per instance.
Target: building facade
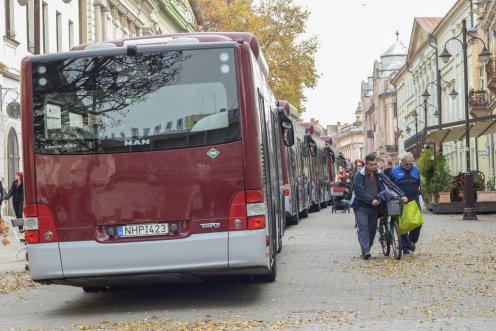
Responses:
[378,98]
[28,27]
[486,14]
[348,138]
[113,19]
[447,114]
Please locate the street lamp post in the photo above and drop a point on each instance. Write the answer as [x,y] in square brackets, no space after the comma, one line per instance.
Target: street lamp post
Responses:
[415,115]
[3,93]
[469,212]
[438,83]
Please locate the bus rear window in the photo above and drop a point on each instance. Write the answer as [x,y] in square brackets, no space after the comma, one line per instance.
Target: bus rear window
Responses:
[152,101]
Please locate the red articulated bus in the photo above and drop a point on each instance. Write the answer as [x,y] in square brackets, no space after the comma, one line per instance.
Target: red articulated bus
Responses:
[332,165]
[152,156]
[295,169]
[318,168]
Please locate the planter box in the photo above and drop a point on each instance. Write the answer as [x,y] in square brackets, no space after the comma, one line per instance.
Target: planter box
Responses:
[444,197]
[486,196]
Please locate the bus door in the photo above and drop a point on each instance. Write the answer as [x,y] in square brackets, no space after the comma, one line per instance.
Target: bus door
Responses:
[269,178]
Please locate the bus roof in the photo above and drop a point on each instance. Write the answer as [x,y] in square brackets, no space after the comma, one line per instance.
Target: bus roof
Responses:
[201,37]
[290,110]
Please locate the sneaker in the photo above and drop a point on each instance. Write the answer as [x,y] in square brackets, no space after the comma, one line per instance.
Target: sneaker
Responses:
[407,252]
[366,256]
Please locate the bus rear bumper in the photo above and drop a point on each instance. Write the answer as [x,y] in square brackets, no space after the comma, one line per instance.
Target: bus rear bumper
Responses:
[210,253]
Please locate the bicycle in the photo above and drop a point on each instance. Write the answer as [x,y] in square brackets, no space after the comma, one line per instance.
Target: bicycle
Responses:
[389,232]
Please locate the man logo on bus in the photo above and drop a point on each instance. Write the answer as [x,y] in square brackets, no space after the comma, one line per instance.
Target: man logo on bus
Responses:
[137,142]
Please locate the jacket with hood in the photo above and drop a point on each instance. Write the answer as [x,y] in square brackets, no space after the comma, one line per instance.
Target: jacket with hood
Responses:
[362,197]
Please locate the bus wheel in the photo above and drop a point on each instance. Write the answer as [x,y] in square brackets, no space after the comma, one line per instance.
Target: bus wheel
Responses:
[279,243]
[304,213]
[94,289]
[272,275]
[294,220]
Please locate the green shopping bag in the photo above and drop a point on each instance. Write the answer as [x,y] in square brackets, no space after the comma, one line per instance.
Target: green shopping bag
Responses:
[412,217]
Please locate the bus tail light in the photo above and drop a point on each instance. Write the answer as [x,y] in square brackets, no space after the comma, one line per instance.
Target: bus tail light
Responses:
[247,211]
[39,224]
[237,212]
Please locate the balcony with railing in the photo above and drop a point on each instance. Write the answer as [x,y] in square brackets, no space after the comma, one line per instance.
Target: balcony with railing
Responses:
[491,75]
[391,148]
[411,142]
[478,104]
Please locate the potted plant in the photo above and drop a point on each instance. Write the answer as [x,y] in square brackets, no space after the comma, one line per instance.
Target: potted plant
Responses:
[425,165]
[441,182]
[489,195]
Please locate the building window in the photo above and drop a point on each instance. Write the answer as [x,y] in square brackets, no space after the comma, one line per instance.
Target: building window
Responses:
[480,77]
[179,125]
[9,19]
[168,126]
[58,21]
[30,26]
[134,133]
[44,13]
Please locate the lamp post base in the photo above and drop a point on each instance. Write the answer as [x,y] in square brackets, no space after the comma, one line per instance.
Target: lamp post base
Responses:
[469,214]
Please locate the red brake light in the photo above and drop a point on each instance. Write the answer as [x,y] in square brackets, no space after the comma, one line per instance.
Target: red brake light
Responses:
[254,196]
[286,181]
[30,211]
[237,212]
[46,231]
[256,222]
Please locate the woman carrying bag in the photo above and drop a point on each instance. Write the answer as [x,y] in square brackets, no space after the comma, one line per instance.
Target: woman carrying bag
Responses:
[16,192]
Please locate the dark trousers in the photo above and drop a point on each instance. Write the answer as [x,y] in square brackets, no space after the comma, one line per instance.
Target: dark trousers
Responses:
[18,208]
[366,218]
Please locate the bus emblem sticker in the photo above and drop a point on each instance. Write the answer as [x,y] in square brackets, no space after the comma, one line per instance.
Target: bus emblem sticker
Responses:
[213,153]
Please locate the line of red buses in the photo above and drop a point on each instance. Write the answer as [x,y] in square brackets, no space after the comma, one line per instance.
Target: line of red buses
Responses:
[153,156]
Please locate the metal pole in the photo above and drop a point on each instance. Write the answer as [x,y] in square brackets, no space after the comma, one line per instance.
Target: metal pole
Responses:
[425,124]
[469,211]
[439,106]
[417,137]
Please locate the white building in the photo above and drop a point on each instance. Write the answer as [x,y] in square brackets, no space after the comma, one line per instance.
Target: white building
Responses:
[420,70]
[55,28]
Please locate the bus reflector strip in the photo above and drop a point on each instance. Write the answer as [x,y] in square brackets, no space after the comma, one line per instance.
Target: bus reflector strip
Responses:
[255,209]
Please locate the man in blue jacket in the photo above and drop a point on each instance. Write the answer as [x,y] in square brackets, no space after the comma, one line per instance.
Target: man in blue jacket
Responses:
[407,177]
[367,184]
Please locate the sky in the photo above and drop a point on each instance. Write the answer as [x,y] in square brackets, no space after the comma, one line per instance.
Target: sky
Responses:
[352,34]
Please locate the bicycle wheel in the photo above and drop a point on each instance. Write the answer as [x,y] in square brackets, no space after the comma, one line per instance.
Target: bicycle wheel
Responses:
[383,238]
[395,239]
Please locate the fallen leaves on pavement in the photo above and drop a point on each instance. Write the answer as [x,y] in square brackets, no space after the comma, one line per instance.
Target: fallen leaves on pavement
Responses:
[4,232]
[15,281]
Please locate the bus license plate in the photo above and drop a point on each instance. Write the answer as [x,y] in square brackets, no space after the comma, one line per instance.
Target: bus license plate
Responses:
[143,230]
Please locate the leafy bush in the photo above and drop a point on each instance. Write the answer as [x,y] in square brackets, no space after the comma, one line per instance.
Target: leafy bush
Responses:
[425,164]
[441,180]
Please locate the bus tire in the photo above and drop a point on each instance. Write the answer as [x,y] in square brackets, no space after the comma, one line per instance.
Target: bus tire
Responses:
[271,276]
[279,242]
[294,220]
[304,213]
[94,289]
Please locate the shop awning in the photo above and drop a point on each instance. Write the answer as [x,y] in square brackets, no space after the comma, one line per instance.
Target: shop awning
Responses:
[477,129]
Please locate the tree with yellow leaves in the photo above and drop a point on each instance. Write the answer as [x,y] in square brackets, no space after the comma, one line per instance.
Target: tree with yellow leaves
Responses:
[278,26]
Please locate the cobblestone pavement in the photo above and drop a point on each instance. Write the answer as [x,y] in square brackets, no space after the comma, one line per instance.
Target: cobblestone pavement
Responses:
[448,284]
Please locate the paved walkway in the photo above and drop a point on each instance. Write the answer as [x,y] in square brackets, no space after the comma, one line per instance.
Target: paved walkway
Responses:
[7,254]
[323,284]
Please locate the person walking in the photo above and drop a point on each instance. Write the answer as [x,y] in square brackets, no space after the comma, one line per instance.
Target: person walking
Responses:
[407,177]
[16,192]
[367,185]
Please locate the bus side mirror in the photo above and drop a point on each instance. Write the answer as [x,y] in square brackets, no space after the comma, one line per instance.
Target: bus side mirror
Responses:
[287,133]
[313,148]
[287,128]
